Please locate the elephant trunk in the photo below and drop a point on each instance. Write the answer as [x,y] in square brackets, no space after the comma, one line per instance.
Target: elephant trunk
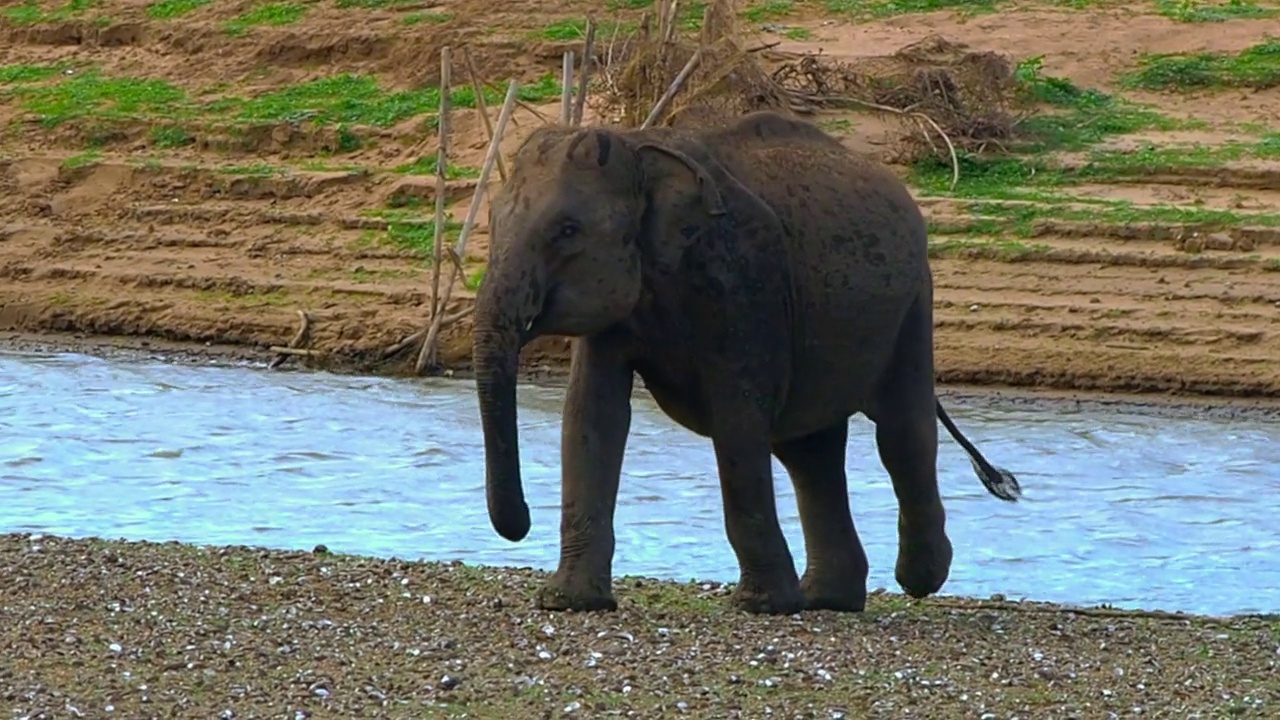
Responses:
[495,356]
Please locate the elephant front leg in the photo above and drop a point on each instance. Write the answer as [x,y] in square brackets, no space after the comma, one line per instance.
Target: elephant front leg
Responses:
[593,436]
[768,583]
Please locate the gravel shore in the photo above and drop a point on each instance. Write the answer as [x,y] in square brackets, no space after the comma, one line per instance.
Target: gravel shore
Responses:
[95,628]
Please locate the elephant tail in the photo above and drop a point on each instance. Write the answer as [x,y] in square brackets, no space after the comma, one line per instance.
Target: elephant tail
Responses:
[997,481]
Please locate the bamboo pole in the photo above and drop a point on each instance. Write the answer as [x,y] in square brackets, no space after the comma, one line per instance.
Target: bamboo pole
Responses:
[566,90]
[427,356]
[584,75]
[442,165]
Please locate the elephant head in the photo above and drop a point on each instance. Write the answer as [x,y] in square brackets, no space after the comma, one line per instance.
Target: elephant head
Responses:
[570,233]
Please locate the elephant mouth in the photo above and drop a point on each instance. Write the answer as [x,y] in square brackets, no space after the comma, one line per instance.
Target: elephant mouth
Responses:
[538,325]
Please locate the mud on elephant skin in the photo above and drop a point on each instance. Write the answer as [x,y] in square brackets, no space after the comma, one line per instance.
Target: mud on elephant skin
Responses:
[766,283]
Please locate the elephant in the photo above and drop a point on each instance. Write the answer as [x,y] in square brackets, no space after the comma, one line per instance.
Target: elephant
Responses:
[766,283]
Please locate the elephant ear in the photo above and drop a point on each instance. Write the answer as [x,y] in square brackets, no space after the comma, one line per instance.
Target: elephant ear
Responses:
[687,170]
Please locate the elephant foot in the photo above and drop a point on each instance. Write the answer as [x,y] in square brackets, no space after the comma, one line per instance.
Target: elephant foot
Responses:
[754,597]
[845,592]
[924,562]
[559,595]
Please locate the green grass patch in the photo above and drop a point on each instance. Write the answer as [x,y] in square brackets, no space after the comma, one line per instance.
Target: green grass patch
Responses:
[419,236]
[171,136]
[17,74]
[1003,178]
[170,9]
[875,9]
[836,126]
[84,159]
[352,99]
[1152,157]
[272,14]
[1003,250]
[358,100]
[768,10]
[374,4]
[259,169]
[426,16]
[1035,178]
[564,30]
[90,94]
[628,4]
[342,100]
[798,34]
[1190,11]
[573,29]
[1020,219]
[428,164]
[474,278]
[1256,67]
[1079,117]
[31,12]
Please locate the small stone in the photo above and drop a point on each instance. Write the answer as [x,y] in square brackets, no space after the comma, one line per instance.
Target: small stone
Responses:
[449,682]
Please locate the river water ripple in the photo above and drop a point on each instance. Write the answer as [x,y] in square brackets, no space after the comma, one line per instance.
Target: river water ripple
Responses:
[1153,512]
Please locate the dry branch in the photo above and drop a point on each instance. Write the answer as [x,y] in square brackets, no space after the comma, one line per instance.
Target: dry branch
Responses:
[919,117]
[283,353]
[481,108]
[442,164]
[674,88]
[427,355]
[300,352]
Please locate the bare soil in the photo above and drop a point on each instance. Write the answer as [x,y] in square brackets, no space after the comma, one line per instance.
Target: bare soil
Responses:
[104,231]
[99,629]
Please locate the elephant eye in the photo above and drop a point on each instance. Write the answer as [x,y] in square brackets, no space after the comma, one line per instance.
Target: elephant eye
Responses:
[568,230]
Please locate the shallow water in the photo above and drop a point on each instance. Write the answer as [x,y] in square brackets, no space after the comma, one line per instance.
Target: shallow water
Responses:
[1177,514]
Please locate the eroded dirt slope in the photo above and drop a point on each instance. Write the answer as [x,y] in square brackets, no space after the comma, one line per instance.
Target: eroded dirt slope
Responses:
[198,176]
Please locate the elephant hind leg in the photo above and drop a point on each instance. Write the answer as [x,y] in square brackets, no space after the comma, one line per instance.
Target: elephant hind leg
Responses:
[836,576]
[907,439]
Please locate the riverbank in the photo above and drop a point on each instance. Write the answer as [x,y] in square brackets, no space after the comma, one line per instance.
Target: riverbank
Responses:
[179,173]
[99,628]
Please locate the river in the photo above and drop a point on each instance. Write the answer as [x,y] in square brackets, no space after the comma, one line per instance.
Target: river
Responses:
[1126,508]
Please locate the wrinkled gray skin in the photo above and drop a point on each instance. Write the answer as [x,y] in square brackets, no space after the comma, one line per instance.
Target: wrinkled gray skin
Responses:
[766,283]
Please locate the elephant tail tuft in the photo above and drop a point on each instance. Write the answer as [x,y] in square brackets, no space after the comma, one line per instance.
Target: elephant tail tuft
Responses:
[997,481]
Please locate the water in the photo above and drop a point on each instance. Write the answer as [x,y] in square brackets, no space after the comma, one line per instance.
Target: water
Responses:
[1177,514]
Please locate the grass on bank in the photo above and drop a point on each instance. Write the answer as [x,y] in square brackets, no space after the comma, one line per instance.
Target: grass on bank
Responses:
[345,99]
[173,9]
[270,14]
[1195,11]
[32,12]
[1076,120]
[1033,177]
[1256,67]
[428,164]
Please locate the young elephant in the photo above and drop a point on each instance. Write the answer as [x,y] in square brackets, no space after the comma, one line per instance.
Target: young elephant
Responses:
[766,283]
